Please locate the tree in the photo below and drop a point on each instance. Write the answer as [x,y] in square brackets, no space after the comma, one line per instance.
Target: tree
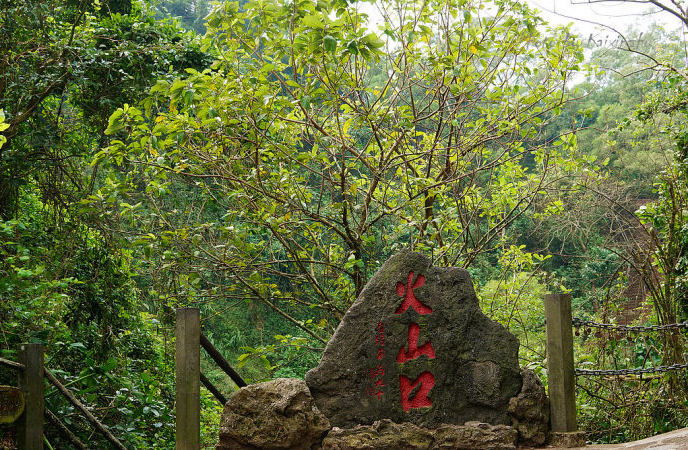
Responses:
[63,70]
[593,229]
[650,239]
[313,149]
[637,233]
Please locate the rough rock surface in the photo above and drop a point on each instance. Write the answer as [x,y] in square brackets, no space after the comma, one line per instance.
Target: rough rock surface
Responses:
[415,347]
[387,435]
[529,411]
[576,439]
[381,435]
[278,414]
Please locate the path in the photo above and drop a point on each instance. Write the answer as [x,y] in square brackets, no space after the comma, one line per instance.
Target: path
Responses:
[675,440]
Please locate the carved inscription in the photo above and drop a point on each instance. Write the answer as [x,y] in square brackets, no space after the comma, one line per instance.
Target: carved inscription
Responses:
[426,380]
[413,350]
[378,374]
[414,394]
[415,347]
[407,291]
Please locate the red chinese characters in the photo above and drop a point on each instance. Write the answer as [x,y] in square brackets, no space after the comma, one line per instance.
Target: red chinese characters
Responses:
[426,380]
[414,351]
[409,295]
[378,373]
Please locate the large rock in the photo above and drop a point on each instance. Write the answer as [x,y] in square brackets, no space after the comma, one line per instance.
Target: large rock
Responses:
[415,347]
[278,414]
[387,435]
[529,411]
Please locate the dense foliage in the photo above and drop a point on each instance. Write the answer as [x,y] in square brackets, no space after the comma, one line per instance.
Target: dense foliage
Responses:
[264,171]
[308,155]
[64,68]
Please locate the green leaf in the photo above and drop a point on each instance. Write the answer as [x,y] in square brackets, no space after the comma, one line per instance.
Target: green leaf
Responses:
[160,86]
[373,41]
[115,122]
[313,21]
[306,101]
[110,364]
[78,345]
[330,43]
[352,46]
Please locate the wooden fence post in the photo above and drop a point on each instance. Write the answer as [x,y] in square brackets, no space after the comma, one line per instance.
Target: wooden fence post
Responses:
[560,372]
[30,427]
[188,373]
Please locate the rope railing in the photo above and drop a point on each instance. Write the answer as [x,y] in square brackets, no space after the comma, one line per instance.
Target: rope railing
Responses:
[190,340]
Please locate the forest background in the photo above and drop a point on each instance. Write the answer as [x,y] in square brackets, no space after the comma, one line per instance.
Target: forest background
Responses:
[261,160]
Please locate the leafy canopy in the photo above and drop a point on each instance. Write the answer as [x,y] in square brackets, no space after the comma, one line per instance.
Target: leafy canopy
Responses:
[314,147]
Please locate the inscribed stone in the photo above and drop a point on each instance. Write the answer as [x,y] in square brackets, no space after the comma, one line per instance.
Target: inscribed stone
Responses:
[415,347]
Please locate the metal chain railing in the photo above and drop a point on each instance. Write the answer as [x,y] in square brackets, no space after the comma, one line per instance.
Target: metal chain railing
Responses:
[581,323]
[639,371]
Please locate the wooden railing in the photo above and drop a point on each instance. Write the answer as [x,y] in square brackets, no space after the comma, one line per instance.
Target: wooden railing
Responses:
[31,424]
[190,339]
[561,378]
[188,378]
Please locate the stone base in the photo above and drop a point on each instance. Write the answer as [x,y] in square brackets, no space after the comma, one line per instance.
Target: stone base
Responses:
[570,439]
[387,435]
